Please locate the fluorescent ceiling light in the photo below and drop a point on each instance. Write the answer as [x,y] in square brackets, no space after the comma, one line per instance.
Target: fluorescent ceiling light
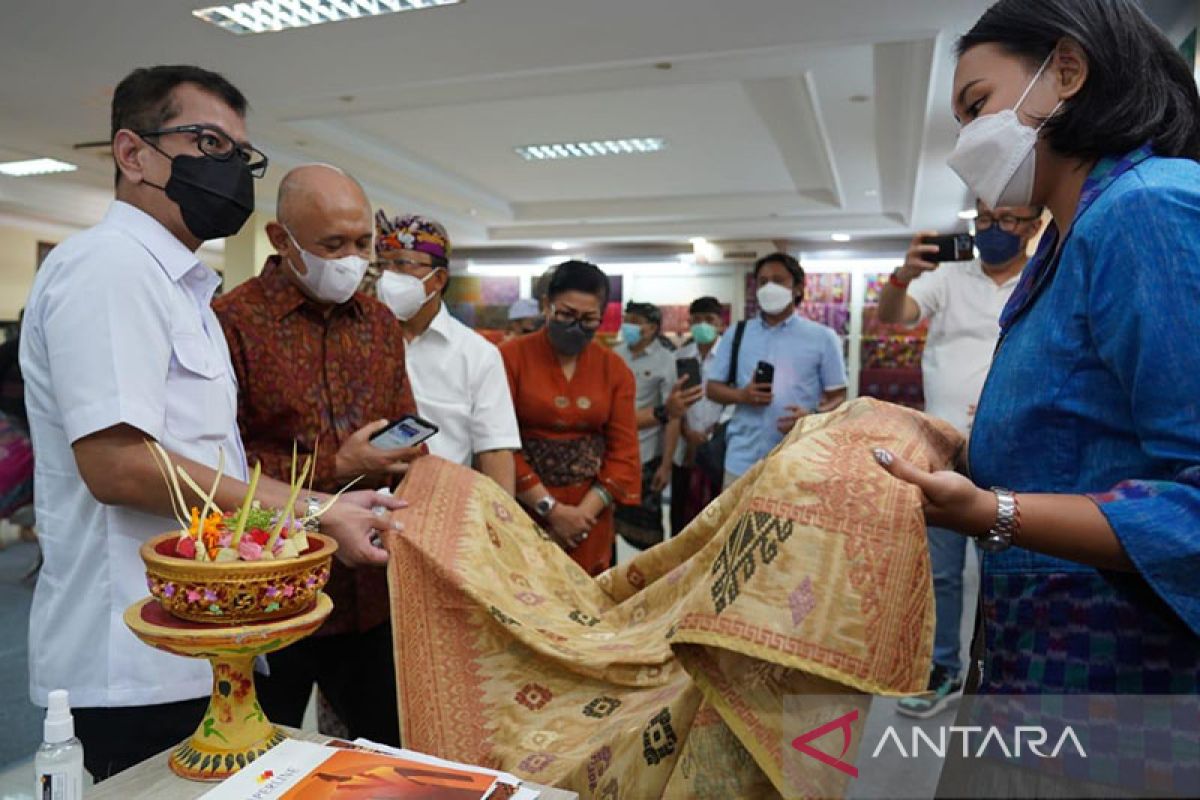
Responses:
[970,213]
[840,237]
[591,149]
[560,246]
[265,16]
[36,166]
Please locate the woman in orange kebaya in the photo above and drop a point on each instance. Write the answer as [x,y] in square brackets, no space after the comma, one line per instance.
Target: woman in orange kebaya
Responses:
[575,406]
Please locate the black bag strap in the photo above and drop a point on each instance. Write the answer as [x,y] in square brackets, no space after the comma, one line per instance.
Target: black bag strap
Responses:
[733,360]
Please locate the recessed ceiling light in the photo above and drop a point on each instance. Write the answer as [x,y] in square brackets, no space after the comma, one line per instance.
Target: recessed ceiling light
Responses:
[592,148]
[265,16]
[969,213]
[840,237]
[560,246]
[35,166]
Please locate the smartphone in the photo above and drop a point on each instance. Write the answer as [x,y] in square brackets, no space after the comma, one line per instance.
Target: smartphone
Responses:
[689,368]
[408,431]
[951,247]
[764,373]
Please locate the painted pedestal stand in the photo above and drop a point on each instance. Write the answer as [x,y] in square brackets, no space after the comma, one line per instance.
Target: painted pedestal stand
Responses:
[234,730]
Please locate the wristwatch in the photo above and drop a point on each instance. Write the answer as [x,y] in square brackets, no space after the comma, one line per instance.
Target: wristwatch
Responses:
[660,414]
[1008,523]
[544,506]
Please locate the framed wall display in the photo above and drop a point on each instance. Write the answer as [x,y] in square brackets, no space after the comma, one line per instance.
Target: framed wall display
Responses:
[43,250]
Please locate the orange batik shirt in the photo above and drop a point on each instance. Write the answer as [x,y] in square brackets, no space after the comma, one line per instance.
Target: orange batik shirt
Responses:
[576,433]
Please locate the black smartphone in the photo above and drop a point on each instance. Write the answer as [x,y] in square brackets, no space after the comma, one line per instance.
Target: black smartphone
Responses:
[764,373]
[951,247]
[408,431]
[689,368]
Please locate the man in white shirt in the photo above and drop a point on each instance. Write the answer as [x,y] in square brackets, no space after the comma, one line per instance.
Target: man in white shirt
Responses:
[458,378]
[661,403]
[118,347]
[692,488]
[962,302]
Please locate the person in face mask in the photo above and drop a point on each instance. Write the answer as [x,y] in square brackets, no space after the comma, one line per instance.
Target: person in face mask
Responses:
[119,346]
[809,377]
[692,486]
[575,405]
[457,376]
[661,401]
[962,304]
[524,317]
[1084,458]
[322,366]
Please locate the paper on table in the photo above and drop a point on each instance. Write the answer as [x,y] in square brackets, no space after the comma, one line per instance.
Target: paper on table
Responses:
[523,793]
[298,770]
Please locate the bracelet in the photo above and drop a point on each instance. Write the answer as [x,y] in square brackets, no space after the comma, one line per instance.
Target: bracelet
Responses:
[896,281]
[604,495]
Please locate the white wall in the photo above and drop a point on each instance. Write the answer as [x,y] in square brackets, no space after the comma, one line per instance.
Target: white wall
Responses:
[19,237]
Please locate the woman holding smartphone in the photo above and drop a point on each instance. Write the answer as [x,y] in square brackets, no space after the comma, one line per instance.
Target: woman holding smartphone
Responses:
[1089,424]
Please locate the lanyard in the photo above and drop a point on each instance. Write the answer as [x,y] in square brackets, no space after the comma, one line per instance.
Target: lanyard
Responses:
[1044,263]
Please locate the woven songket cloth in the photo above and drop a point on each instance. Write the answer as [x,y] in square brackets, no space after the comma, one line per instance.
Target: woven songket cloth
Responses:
[666,675]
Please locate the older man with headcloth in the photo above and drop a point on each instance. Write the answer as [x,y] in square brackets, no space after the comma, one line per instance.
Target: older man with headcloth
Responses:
[322,365]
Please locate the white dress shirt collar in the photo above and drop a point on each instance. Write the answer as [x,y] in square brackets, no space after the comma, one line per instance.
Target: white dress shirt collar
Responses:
[171,254]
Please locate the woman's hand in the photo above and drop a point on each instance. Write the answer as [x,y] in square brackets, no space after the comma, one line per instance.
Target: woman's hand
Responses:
[570,525]
[950,500]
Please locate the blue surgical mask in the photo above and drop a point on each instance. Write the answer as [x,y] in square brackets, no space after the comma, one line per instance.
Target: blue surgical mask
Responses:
[631,333]
[997,246]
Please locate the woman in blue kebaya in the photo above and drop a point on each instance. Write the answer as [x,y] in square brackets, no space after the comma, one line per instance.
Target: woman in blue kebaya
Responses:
[1089,425]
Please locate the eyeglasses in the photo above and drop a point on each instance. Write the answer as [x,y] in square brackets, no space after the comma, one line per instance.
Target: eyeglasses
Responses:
[566,317]
[401,263]
[1008,222]
[216,143]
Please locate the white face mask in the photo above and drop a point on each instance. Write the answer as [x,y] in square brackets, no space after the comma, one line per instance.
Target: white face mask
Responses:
[773,298]
[403,294]
[995,155]
[329,280]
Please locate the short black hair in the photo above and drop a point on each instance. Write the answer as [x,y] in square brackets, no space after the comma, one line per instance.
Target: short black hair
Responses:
[789,263]
[1139,88]
[651,312]
[144,99]
[578,276]
[705,305]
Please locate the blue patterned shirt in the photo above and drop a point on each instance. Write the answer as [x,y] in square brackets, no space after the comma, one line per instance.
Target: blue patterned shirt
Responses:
[1095,389]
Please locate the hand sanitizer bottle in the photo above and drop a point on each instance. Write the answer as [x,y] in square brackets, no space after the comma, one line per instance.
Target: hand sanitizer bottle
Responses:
[59,761]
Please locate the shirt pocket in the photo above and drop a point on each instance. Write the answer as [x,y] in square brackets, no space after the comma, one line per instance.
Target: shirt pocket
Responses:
[198,393]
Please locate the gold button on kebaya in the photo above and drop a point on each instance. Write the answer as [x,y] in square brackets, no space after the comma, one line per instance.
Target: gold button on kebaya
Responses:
[561,402]
[584,403]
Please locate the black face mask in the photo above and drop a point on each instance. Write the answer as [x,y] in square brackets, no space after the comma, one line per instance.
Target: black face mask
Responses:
[568,338]
[215,197]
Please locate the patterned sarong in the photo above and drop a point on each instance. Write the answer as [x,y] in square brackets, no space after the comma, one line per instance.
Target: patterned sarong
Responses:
[666,675]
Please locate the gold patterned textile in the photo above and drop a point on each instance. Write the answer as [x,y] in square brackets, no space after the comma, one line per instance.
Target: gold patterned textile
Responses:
[665,676]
